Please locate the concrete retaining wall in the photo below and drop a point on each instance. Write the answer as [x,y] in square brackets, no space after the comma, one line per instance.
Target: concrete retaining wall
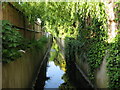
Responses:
[101,78]
[22,72]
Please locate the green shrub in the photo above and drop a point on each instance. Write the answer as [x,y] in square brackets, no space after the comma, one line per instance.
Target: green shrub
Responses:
[39,44]
[11,42]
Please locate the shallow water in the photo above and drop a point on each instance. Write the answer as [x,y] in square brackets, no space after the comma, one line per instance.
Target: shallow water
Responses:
[55,76]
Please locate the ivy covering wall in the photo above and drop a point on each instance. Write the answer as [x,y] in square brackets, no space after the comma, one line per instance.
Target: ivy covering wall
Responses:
[92,41]
[14,44]
[84,27]
[113,61]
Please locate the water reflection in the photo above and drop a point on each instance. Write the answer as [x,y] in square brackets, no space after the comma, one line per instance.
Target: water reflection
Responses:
[55,76]
[56,70]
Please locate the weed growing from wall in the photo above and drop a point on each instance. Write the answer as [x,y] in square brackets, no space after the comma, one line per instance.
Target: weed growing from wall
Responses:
[13,42]
[84,27]
[113,61]
[10,42]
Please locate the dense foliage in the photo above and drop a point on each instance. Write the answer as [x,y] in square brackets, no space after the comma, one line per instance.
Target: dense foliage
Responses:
[113,60]
[92,33]
[113,65]
[95,35]
[84,27]
[13,42]
[10,42]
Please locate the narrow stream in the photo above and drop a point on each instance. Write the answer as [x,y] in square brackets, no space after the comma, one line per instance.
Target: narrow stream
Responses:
[56,69]
[53,73]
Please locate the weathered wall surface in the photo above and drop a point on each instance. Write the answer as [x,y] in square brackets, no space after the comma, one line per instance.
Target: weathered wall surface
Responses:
[101,74]
[0,75]
[22,72]
[101,78]
[17,18]
[0,47]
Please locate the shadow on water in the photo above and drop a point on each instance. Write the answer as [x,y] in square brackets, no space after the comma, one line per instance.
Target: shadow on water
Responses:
[53,73]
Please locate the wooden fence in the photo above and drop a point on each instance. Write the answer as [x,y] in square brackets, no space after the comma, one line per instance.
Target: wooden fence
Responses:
[20,21]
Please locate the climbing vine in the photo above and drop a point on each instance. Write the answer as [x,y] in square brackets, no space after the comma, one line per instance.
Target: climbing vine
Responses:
[113,65]
[10,42]
[84,28]
[92,40]
[13,42]
[113,60]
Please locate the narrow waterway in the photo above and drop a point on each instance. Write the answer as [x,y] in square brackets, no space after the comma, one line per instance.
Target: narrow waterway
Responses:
[54,74]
